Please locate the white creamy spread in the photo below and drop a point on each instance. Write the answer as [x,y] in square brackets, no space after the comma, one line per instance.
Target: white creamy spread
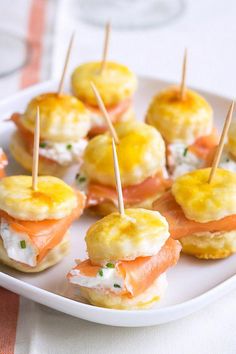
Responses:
[227,162]
[17,245]
[106,278]
[63,153]
[81,182]
[97,120]
[182,160]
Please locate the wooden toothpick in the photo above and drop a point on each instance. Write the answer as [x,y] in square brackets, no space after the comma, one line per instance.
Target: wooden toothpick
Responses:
[221,143]
[105,46]
[60,88]
[36,151]
[183,79]
[105,113]
[118,181]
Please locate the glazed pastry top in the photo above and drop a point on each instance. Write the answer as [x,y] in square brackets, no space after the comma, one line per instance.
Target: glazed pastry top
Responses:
[141,154]
[62,117]
[53,199]
[180,120]
[115,84]
[202,201]
[139,233]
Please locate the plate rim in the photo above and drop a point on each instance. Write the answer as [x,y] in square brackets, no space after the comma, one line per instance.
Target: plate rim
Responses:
[165,314]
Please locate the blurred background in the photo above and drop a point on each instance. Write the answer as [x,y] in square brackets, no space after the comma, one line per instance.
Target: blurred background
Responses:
[149,36]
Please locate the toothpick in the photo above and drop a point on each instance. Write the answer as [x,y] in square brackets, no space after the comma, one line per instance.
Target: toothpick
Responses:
[105,46]
[36,151]
[59,92]
[183,79]
[105,113]
[118,181]
[221,143]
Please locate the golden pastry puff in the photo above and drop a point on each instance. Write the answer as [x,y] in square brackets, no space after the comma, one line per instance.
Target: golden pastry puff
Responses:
[34,223]
[180,120]
[202,201]
[64,124]
[115,84]
[62,117]
[141,154]
[128,258]
[202,215]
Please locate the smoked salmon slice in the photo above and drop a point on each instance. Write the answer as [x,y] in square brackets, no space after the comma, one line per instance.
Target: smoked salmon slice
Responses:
[204,144]
[202,147]
[97,193]
[115,113]
[140,273]
[3,163]
[180,226]
[28,137]
[46,234]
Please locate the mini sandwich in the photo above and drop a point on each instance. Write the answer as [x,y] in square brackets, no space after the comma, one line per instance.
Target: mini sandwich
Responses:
[116,84]
[128,257]
[228,157]
[34,223]
[64,126]
[187,127]
[202,215]
[141,154]
[3,163]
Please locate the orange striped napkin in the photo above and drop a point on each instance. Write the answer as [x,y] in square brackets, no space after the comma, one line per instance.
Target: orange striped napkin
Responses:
[36,32]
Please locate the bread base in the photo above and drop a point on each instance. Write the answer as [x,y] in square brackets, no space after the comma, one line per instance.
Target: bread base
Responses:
[147,299]
[25,159]
[54,256]
[210,245]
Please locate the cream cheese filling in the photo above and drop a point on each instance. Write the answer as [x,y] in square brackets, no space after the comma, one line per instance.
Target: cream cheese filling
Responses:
[63,153]
[107,279]
[182,160]
[227,162]
[17,245]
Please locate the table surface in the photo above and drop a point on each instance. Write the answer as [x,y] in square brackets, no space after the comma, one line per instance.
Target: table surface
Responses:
[208,29]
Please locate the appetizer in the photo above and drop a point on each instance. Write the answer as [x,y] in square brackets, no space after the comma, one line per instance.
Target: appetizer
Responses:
[34,223]
[141,154]
[185,120]
[3,163]
[116,84]
[187,127]
[128,258]
[64,126]
[202,215]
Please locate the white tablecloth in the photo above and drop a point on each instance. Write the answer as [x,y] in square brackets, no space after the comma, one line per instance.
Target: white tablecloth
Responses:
[208,29]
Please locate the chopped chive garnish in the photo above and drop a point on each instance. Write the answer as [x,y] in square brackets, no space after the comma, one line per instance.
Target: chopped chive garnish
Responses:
[42,145]
[22,244]
[185,152]
[100,272]
[80,179]
[69,147]
[110,265]
[117,286]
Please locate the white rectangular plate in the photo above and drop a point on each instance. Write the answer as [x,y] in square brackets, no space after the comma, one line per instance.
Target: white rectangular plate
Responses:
[192,283]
